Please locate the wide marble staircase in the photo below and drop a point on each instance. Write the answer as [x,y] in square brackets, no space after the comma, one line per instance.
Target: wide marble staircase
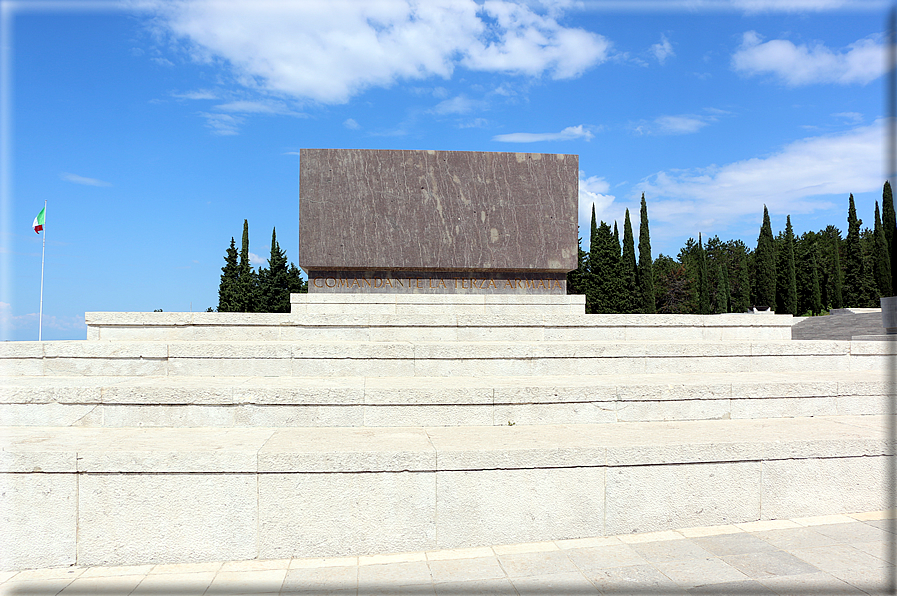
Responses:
[362,424]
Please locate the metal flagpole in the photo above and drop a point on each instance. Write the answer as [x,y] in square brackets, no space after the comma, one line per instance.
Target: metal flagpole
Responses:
[40,315]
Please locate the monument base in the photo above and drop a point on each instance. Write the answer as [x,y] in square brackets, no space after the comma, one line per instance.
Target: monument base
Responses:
[377,423]
[438,282]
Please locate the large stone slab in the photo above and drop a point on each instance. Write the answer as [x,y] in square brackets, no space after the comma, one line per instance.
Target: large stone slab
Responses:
[459,221]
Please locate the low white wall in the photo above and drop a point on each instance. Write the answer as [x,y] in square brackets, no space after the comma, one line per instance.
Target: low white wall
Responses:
[135,496]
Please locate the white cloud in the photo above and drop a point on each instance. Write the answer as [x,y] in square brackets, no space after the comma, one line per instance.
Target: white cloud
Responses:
[569,133]
[256,107]
[199,94]
[222,124]
[30,320]
[82,180]
[680,124]
[256,260]
[458,105]
[351,124]
[862,61]
[852,117]
[592,191]
[330,50]
[790,181]
[662,50]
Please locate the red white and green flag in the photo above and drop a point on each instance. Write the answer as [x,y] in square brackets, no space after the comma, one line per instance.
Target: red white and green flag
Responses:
[39,221]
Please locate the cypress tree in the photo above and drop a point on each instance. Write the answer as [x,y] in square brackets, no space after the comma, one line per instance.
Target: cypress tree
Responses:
[591,277]
[246,278]
[576,277]
[645,271]
[837,277]
[881,260]
[740,290]
[787,282]
[856,292]
[628,270]
[765,258]
[297,284]
[721,298]
[815,292]
[605,271]
[889,226]
[703,281]
[274,282]
[227,289]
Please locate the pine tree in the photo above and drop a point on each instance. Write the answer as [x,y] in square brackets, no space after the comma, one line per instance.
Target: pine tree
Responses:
[765,259]
[856,278]
[645,272]
[247,282]
[703,281]
[786,284]
[274,282]
[628,270]
[881,260]
[228,300]
[889,226]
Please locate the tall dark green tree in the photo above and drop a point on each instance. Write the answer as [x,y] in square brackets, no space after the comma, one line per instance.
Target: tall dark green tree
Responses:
[228,300]
[590,282]
[889,226]
[786,282]
[815,306]
[604,270]
[703,280]
[672,284]
[739,278]
[576,278]
[765,258]
[247,281]
[856,277]
[628,268]
[721,297]
[274,281]
[881,260]
[837,276]
[645,272]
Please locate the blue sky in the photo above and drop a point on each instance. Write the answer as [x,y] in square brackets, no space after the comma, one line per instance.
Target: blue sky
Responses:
[154,128]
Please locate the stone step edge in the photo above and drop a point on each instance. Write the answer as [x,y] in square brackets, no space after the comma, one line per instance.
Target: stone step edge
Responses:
[160,349]
[146,319]
[173,390]
[319,450]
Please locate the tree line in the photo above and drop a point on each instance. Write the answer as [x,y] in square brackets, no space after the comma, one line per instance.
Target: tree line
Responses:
[804,275]
[242,289]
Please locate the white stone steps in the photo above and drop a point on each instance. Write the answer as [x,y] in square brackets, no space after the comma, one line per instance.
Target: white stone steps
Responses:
[130,496]
[360,325]
[416,401]
[411,359]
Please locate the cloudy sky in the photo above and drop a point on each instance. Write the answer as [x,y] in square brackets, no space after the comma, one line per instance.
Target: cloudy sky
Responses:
[154,128]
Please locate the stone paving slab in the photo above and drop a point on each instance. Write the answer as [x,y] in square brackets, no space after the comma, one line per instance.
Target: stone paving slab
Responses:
[802,556]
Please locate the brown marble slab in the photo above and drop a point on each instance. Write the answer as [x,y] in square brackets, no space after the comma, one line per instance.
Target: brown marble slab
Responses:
[437,282]
[437,211]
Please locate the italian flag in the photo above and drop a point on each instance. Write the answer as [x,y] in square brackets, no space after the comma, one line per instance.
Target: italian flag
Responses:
[39,221]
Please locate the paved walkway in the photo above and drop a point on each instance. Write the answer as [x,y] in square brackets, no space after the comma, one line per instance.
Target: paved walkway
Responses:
[819,556]
[841,325]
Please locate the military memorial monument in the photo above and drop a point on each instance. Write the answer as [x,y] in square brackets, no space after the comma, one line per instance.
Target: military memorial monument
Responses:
[435,389]
[437,221]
